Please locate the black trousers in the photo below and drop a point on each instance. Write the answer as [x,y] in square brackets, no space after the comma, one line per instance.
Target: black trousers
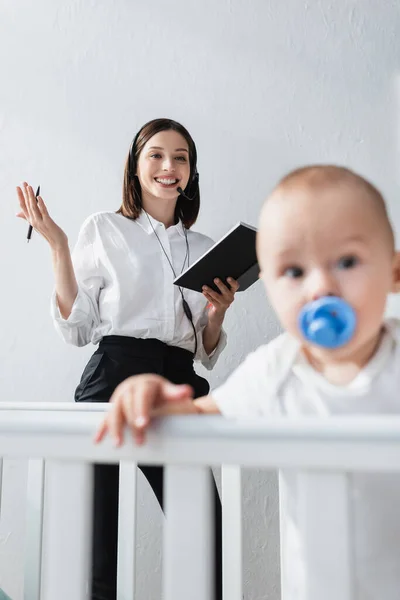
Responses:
[117,358]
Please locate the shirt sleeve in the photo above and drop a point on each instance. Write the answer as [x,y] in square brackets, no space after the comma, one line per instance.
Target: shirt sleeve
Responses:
[84,317]
[208,360]
[251,389]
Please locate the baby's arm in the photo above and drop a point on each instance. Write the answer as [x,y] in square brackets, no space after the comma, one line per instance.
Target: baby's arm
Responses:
[140,398]
[248,392]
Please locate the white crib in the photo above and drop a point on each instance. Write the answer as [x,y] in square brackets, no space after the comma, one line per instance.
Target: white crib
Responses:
[57,440]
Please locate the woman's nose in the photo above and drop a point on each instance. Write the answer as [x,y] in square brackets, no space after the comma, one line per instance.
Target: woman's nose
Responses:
[168,165]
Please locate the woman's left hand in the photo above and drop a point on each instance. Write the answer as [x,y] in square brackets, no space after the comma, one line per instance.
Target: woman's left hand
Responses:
[220,302]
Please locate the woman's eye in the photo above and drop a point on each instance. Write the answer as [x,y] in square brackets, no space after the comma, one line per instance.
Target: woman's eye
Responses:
[347,262]
[294,272]
[181,158]
[155,155]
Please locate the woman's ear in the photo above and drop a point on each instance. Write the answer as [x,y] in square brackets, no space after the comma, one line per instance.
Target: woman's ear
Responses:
[396,273]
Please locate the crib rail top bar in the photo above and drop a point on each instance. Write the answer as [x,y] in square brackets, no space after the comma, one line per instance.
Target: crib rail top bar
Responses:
[56,406]
[83,418]
[62,432]
[44,417]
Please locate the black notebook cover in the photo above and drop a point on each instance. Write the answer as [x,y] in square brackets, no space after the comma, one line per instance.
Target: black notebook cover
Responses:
[233,256]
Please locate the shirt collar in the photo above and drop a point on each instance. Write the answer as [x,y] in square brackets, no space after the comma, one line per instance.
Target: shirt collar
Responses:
[147,223]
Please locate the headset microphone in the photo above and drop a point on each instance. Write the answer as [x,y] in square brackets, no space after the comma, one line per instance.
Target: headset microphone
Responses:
[182,193]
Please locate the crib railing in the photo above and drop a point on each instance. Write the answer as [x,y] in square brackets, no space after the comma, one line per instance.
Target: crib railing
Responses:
[57,440]
[59,568]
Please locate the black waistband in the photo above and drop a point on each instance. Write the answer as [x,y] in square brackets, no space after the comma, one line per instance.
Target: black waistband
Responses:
[146,348]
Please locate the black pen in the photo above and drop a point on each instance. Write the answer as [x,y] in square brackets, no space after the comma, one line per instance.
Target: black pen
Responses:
[30,226]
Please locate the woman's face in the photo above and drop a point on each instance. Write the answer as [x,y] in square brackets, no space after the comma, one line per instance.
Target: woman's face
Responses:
[163,165]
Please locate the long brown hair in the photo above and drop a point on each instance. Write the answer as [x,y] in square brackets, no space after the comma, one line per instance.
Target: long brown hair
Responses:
[131,207]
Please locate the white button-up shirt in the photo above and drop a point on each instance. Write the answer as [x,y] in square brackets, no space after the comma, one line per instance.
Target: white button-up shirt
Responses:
[125,284]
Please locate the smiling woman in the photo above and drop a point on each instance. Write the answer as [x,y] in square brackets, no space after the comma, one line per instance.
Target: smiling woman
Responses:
[116,290]
[162,157]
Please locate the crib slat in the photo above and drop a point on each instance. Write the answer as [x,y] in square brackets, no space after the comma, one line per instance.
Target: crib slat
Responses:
[127,531]
[188,547]
[68,520]
[325,522]
[231,479]
[34,529]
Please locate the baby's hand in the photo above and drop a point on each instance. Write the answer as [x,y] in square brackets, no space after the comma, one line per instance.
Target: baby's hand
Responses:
[135,401]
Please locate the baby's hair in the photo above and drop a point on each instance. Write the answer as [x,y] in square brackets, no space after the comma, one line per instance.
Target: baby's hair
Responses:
[322,176]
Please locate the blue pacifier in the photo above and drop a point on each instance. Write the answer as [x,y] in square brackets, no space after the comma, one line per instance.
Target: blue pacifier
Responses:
[329,322]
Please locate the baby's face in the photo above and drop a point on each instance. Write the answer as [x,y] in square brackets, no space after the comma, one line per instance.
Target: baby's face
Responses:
[333,242]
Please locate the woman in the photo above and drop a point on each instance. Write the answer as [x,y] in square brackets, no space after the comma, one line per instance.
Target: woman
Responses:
[117,291]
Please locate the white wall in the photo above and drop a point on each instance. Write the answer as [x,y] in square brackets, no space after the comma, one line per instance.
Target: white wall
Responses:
[263,86]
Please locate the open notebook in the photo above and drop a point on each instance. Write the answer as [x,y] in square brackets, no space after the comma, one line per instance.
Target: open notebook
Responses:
[234,255]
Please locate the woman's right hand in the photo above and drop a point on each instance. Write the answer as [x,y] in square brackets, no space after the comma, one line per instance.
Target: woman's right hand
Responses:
[36,214]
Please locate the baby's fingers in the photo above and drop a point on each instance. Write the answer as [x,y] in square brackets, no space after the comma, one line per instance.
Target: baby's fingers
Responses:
[116,420]
[137,412]
[101,432]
